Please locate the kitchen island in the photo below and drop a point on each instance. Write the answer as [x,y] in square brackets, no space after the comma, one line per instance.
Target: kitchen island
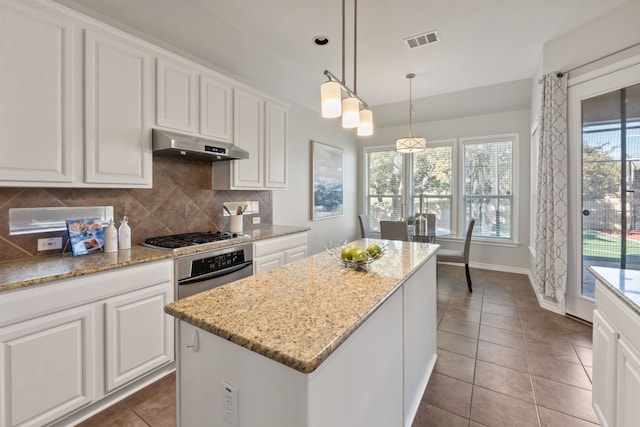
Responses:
[311,344]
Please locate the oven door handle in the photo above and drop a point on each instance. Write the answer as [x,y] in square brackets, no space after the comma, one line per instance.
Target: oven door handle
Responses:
[215,274]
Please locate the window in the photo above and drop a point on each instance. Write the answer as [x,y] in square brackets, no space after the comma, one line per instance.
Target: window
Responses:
[433,185]
[488,185]
[455,179]
[384,186]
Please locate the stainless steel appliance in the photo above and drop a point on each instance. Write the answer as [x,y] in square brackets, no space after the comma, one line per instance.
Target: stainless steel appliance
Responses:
[208,268]
[194,148]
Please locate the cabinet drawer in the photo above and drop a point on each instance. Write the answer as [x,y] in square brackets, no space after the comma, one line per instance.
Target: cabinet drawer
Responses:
[33,301]
[279,244]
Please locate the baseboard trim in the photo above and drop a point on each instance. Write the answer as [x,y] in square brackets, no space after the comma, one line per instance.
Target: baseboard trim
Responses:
[546,302]
[102,404]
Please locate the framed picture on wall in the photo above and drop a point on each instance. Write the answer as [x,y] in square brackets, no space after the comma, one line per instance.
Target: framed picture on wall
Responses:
[326,181]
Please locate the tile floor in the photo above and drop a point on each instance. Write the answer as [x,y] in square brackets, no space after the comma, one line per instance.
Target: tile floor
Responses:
[502,361]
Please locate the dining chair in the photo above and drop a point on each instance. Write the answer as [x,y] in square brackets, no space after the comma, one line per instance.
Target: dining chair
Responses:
[365,227]
[459,257]
[394,230]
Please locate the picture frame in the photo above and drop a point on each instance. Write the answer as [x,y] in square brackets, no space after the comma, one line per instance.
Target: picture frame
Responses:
[327,181]
[85,235]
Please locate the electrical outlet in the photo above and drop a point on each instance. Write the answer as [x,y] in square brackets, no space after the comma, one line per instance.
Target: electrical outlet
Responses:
[256,220]
[230,403]
[49,244]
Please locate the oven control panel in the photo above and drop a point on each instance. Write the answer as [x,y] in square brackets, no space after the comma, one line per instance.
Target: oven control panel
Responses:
[216,262]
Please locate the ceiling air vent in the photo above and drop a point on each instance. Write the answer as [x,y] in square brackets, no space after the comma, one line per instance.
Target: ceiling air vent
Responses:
[422,39]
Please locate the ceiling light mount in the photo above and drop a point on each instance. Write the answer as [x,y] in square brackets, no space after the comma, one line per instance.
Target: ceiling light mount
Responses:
[321,40]
[410,144]
[354,111]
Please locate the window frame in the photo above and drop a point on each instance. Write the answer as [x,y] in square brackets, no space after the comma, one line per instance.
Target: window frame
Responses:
[458,222]
[461,221]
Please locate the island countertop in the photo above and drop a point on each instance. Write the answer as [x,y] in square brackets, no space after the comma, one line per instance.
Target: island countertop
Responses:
[300,313]
[624,283]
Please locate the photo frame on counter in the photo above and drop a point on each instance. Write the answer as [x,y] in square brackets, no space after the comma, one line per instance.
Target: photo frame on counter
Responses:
[327,181]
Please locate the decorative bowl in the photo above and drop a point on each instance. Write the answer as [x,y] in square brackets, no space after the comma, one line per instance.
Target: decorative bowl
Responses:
[361,260]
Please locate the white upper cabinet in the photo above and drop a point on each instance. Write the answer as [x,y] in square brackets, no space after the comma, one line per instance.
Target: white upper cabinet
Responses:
[191,100]
[78,100]
[260,127]
[36,96]
[216,108]
[276,146]
[117,98]
[176,96]
[248,133]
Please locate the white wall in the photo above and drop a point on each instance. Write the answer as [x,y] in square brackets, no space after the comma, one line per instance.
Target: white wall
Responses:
[293,205]
[493,257]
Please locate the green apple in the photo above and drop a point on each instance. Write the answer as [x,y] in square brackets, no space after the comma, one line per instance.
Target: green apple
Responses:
[374,250]
[347,253]
[360,256]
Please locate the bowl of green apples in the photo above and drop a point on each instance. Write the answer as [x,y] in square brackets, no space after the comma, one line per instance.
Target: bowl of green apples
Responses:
[353,256]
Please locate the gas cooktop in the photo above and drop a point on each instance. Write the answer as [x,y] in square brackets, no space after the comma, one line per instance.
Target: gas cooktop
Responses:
[175,241]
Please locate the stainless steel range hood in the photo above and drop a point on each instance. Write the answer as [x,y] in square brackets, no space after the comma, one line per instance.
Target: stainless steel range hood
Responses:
[194,148]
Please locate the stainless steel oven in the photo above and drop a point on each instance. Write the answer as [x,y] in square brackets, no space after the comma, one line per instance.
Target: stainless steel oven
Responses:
[209,269]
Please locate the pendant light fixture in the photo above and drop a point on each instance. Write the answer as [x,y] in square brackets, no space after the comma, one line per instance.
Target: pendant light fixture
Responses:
[354,111]
[410,144]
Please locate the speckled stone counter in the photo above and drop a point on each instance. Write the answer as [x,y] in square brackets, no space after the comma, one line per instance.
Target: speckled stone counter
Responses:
[43,269]
[624,283]
[300,313]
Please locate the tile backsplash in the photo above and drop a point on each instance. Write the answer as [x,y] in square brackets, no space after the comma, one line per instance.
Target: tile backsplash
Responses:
[180,201]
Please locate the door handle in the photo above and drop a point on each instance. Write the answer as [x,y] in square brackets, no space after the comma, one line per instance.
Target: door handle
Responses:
[586,212]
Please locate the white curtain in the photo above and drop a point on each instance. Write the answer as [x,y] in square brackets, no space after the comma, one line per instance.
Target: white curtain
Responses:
[552,191]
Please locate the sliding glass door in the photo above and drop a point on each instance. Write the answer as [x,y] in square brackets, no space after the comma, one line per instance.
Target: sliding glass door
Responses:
[609,181]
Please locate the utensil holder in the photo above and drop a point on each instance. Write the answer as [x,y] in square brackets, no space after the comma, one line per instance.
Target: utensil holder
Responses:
[235,223]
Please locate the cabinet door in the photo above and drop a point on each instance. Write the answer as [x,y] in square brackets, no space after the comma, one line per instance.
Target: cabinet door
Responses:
[117,144]
[139,335]
[248,133]
[46,367]
[216,108]
[295,254]
[276,146]
[36,92]
[260,265]
[628,385]
[605,340]
[176,96]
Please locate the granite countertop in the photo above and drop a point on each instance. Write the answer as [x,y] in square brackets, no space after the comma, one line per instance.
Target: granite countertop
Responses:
[43,269]
[624,283]
[300,313]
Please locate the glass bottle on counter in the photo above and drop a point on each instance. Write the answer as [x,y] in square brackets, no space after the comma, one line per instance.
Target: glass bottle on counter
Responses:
[124,234]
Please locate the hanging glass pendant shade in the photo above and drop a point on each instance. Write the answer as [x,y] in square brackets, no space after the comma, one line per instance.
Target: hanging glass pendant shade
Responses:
[331,99]
[365,126]
[350,112]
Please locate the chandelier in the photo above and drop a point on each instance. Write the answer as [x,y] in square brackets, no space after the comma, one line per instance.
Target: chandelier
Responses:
[410,144]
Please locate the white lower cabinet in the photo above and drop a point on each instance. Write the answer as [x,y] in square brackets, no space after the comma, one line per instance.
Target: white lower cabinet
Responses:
[278,251]
[628,413]
[47,367]
[66,345]
[138,337]
[616,360]
[605,340]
